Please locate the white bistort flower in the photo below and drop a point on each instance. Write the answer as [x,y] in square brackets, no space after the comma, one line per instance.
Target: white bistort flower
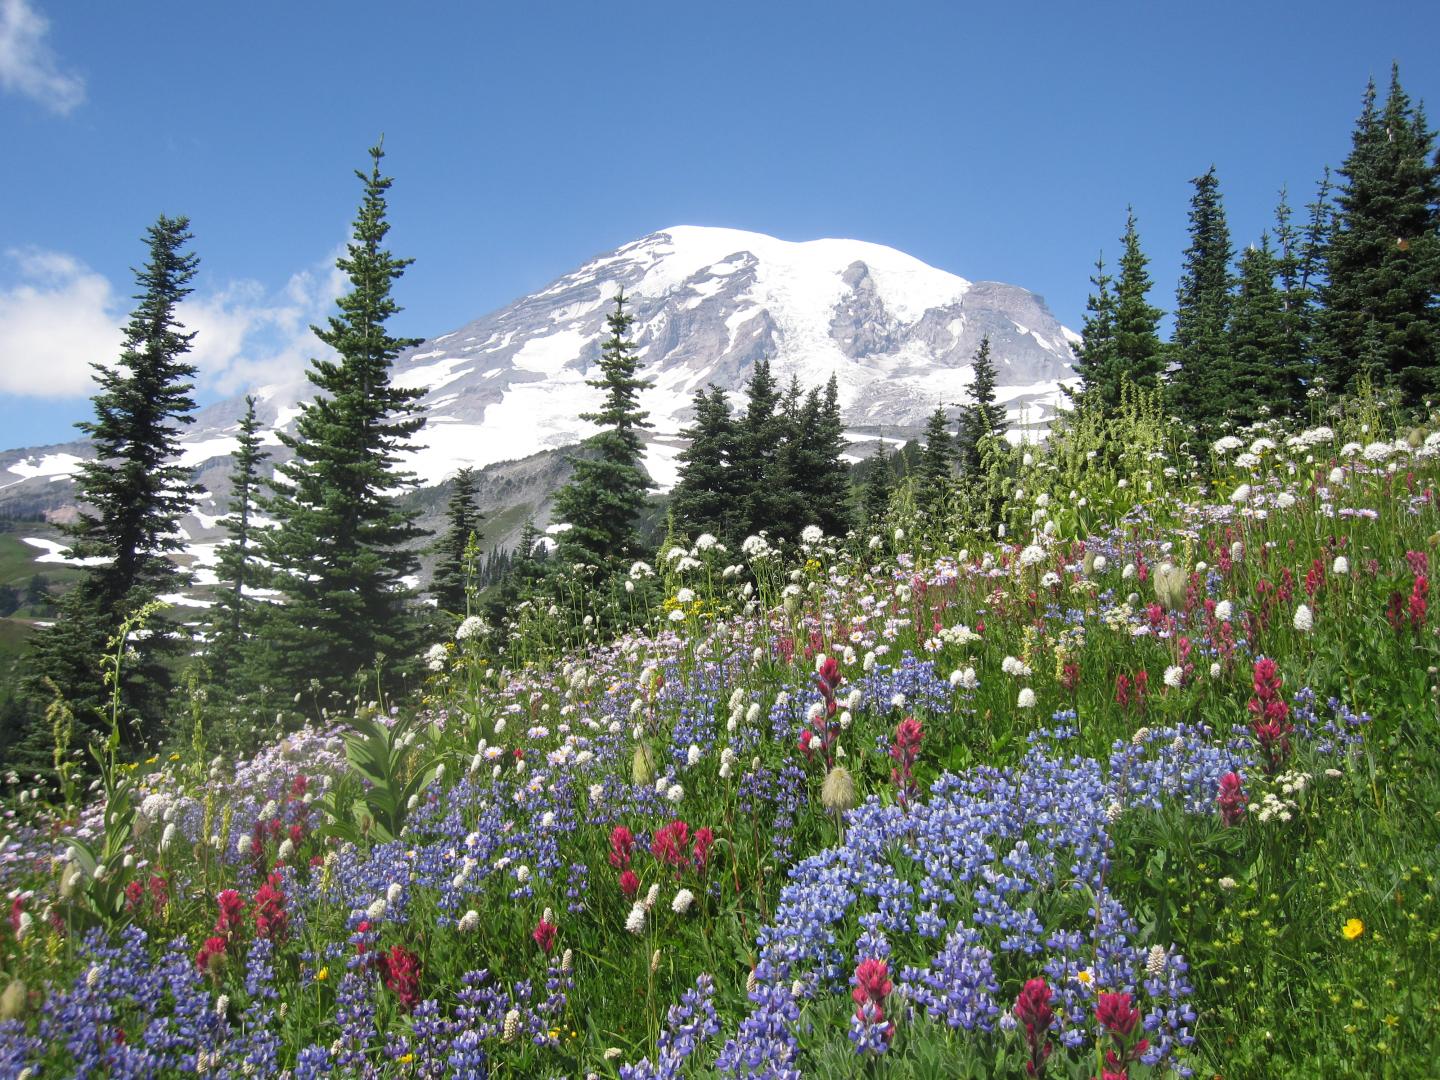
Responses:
[1174,676]
[1304,620]
[1026,700]
[682,902]
[635,921]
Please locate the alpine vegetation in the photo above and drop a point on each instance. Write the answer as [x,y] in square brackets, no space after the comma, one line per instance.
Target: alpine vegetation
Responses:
[1113,755]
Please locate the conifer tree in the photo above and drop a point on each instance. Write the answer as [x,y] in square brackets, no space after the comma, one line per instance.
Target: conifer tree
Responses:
[235,616]
[603,500]
[937,463]
[757,445]
[462,537]
[879,485]
[811,479]
[343,545]
[982,417]
[1381,315]
[1138,353]
[1296,256]
[132,496]
[1264,376]
[1201,387]
[707,498]
[1095,358]
[828,484]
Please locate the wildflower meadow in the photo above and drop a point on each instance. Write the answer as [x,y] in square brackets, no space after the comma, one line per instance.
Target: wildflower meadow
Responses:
[1139,782]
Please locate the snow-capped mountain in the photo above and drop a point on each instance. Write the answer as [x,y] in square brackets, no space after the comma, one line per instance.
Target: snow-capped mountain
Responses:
[897,334]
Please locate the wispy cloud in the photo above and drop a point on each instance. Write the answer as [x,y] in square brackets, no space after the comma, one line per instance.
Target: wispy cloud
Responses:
[61,316]
[27,65]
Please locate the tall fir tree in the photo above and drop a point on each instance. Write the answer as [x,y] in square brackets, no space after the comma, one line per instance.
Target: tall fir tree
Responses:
[1264,373]
[982,417]
[1095,357]
[1139,356]
[1202,387]
[1381,297]
[879,485]
[829,485]
[132,496]
[343,545]
[458,546]
[935,475]
[235,616]
[1295,265]
[706,496]
[761,432]
[810,478]
[603,500]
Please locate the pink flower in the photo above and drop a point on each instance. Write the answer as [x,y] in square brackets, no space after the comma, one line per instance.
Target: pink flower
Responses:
[704,841]
[670,844]
[1116,1014]
[1032,1009]
[629,883]
[211,957]
[270,916]
[400,968]
[544,935]
[1232,799]
[622,843]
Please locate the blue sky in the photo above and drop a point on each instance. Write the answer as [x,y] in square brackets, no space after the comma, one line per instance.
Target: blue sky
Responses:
[996,141]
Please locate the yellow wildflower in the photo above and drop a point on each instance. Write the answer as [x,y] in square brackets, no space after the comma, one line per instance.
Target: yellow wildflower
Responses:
[322,974]
[1353,929]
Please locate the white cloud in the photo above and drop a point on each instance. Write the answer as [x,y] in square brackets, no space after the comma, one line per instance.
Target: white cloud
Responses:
[62,316]
[58,321]
[27,66]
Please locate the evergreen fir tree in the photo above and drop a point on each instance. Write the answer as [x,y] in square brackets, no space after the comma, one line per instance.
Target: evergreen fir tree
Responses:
[234,617]
[462,535]
[343,545]
[829,485]
[603,500]
[1095,358]
[937,462]
[760,435]
[1295,261]
[879,485]
[1265,377]
[982,417]
[1138,353]
[132,496]
[811,480]
[1202,386]
[1381,298]
[707,498]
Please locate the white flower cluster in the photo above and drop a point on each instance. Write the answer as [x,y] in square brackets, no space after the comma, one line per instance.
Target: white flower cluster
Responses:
[1273,808]
[473,627]
[1015,667]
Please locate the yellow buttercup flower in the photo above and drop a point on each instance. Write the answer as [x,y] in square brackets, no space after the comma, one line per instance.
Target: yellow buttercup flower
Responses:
[1353,929]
